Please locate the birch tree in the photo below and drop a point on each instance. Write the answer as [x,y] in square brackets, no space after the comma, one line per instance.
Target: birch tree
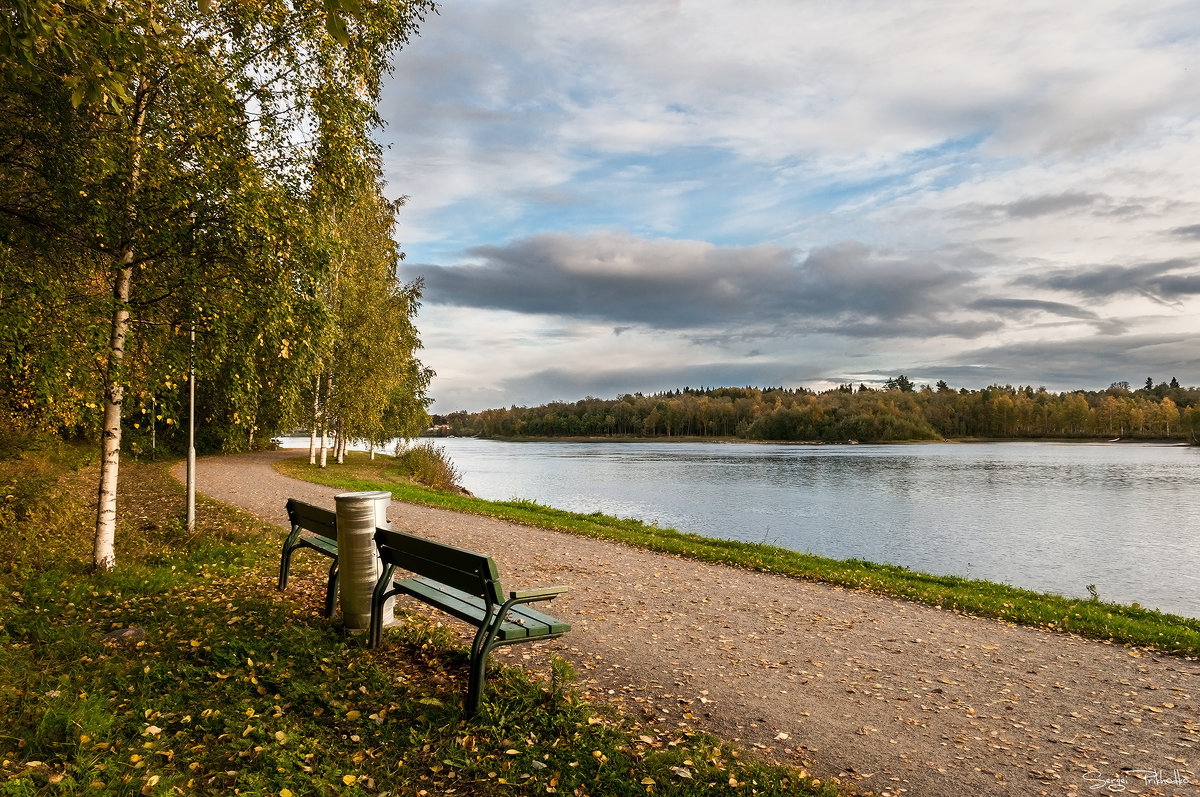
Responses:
[183,130]
[380,382]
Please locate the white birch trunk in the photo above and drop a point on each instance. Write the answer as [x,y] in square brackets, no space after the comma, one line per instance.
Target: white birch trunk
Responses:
[312,433]
[104,552]
[325,419]
[104,556]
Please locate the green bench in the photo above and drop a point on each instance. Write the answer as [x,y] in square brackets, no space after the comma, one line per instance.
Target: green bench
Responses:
[465,585]
[321,525]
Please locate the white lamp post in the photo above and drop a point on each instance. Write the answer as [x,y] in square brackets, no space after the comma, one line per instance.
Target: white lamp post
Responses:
[191,456]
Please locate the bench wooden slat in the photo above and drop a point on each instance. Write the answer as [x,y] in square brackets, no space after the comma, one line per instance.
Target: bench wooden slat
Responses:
[322,544]
[455,567]
[533,623]
[521,622]
[313,518]
[536,623]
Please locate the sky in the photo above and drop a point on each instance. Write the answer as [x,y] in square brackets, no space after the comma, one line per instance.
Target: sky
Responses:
[618,197]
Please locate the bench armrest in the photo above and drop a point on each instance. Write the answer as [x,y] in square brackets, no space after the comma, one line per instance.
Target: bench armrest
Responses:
[533,595]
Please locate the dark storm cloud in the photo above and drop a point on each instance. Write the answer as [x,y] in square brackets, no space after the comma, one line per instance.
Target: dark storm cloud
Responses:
[666,284]
[1165,281]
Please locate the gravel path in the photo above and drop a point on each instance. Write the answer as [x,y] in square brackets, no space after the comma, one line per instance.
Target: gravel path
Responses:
[892,697]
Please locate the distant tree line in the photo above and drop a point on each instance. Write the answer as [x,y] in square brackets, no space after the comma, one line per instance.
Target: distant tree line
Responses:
[899,411]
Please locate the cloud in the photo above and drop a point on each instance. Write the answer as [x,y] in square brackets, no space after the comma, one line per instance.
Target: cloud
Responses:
[1031,308]
[1032,207]
[775,82]
[572,384]
[1159,281]
[856,280]
[623,190]
[923,328]
[665,284]
[1093,362]
[1060,205]
[1024,306]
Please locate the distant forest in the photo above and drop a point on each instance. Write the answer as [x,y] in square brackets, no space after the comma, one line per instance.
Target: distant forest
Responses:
[897,412]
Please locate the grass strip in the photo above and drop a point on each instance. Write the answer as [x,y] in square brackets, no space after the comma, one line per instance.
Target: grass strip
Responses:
[224,685]
[1094,618]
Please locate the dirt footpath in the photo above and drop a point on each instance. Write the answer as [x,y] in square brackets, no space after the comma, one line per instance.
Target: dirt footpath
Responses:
[892,697]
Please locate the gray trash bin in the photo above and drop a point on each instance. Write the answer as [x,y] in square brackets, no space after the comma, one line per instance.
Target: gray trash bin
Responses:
[358,562]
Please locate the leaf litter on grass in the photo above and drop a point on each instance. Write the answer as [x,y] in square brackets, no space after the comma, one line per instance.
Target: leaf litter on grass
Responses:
[216,683]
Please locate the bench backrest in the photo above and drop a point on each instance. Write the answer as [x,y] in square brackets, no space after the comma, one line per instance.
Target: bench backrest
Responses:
[461,569]
[312,518]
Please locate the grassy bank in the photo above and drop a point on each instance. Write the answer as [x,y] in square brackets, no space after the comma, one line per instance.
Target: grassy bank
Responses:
[1131,625]
[185,672]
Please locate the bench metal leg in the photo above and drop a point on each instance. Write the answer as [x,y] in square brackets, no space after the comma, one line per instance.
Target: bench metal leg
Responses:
[331,588]
[475,685]
[481,648]
[378,596]
[285,564]
[285,561]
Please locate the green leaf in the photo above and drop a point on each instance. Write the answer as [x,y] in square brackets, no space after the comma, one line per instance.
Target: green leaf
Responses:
[204,5]
[337,29]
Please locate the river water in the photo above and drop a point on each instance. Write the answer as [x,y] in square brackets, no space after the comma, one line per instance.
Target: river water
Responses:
[1053,517]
